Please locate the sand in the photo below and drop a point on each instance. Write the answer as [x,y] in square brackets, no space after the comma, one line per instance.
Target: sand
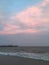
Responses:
[11,60]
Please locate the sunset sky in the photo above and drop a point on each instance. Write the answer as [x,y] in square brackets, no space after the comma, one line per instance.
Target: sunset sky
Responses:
[24,22]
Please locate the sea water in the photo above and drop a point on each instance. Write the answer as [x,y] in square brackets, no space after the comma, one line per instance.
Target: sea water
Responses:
[40,56]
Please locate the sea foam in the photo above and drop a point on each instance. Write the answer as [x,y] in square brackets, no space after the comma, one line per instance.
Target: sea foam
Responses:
[44,56]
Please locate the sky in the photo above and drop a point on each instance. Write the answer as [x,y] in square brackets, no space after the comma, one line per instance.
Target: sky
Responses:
[24,22]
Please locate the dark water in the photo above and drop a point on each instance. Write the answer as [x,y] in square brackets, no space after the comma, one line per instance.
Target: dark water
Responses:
[34,49]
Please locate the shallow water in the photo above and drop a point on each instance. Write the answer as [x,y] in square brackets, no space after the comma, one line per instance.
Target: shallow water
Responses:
[24,52]
[44,56]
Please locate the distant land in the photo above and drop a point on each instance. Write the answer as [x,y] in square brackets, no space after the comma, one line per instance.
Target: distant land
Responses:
[8,45]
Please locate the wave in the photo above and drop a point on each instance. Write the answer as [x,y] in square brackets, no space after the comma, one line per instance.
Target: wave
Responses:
[28,55]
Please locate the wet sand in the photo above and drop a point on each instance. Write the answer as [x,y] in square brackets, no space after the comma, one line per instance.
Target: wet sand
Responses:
[12,60]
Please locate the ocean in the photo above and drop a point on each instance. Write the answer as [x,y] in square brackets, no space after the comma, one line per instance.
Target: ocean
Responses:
[13,51]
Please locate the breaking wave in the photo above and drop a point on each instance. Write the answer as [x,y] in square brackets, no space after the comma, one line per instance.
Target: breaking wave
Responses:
[44,56]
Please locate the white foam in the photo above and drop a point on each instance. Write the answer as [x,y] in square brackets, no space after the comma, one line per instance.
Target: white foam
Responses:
[28,55]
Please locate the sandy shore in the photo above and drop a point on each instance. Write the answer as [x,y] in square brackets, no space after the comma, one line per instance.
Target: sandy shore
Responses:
[9,60]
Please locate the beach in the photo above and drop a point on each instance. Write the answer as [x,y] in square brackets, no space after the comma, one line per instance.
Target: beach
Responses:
[6,57]
[14,60]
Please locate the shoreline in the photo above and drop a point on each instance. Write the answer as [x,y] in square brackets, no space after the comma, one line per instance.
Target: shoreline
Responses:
[34,56]
[14,60]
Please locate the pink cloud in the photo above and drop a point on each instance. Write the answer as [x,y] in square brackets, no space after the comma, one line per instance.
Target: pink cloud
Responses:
[13,29]
[28,16]
[32,17]
[30,31]
[9,27]
[35,18]
[44,3]
[19,31]
[10,32]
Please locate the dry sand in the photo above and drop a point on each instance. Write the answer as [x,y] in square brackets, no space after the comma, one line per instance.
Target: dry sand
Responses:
[9,60]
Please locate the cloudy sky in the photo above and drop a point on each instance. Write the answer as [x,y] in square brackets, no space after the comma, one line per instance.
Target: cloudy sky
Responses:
[24,22]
